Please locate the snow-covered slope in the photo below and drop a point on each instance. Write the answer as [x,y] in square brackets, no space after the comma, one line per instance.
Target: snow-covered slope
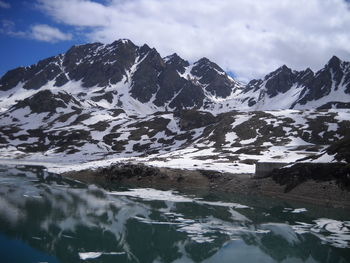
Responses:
[120,101]
[232,141]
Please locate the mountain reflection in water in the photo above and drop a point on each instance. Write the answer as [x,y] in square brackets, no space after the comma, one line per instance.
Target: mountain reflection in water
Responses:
[46,218]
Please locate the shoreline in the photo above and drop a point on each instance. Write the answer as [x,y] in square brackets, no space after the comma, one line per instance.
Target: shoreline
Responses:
[323,193]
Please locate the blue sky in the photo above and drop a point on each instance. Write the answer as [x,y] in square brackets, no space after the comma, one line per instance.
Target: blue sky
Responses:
[24,50]
[247,37]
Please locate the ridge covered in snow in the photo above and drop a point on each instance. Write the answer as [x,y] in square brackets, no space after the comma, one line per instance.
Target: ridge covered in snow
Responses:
[123,102]
[139,80]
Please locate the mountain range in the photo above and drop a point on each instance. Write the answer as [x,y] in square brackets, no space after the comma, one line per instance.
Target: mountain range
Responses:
[123,75]
[125,101]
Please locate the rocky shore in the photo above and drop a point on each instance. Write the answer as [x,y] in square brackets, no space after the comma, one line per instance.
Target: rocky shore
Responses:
[325,185]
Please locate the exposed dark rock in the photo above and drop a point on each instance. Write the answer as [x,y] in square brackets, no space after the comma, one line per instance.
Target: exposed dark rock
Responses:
[80,118]
[108,96]
[95,65]
[175,62]
[279,81]
[61,80]
[192,119]
[216,80]
[116,112]
[301,172]
[34,76]
[121,171]
[40,78]
[335,105]
[252,150]
[99,126]
[341,149]
[190,96]
[12,78]
[254,85]
[137,147]
[145,79]
[149,128]
[318,130]
[304,77]
[171,83]
[43,101]
[217,133]
[319,87]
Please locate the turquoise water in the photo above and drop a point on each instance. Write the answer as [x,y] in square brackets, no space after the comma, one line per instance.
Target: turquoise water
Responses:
[44,218]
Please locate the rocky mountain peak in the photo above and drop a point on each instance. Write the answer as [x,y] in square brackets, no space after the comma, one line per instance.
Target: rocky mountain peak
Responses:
[123,42]
[144,49]
[204,65]
[203,61]
[126,74]
[334,63]
[308,71]
[172,57]
[176,62]
[279,81]
[281,71]
[217,82]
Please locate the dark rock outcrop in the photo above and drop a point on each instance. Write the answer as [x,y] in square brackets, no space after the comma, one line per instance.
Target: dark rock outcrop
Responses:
[341,149]
[128,170]
[100,65]
[215,78]
[46,101]
[279,81]
[192,119]
[295,175]
[145,79]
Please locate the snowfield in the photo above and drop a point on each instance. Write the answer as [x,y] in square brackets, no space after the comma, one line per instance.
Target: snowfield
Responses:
[141,139]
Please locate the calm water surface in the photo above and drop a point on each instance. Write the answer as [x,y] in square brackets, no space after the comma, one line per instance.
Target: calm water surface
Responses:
[44,218]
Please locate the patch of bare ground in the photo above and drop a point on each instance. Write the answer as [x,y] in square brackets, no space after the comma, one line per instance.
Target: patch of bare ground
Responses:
[325,193]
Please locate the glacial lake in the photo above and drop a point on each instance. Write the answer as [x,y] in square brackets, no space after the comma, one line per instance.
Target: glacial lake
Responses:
[46,218]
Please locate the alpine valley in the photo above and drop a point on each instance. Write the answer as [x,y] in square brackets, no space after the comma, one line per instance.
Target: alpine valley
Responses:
[102,103]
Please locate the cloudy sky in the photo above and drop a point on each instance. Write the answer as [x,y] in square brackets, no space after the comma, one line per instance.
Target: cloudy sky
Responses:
[246,37]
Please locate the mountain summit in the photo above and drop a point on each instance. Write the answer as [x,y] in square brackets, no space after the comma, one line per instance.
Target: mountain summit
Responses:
[121,72]
[124,75]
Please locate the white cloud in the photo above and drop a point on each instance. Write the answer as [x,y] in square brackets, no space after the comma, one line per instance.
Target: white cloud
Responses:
[248,37]
[4,5]
[38,32]
[48,34]
[8,28]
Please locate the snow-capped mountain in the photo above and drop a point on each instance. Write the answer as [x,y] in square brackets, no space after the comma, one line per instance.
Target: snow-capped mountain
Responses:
[288,89]
[121,75]
[123,101]
[138,79]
